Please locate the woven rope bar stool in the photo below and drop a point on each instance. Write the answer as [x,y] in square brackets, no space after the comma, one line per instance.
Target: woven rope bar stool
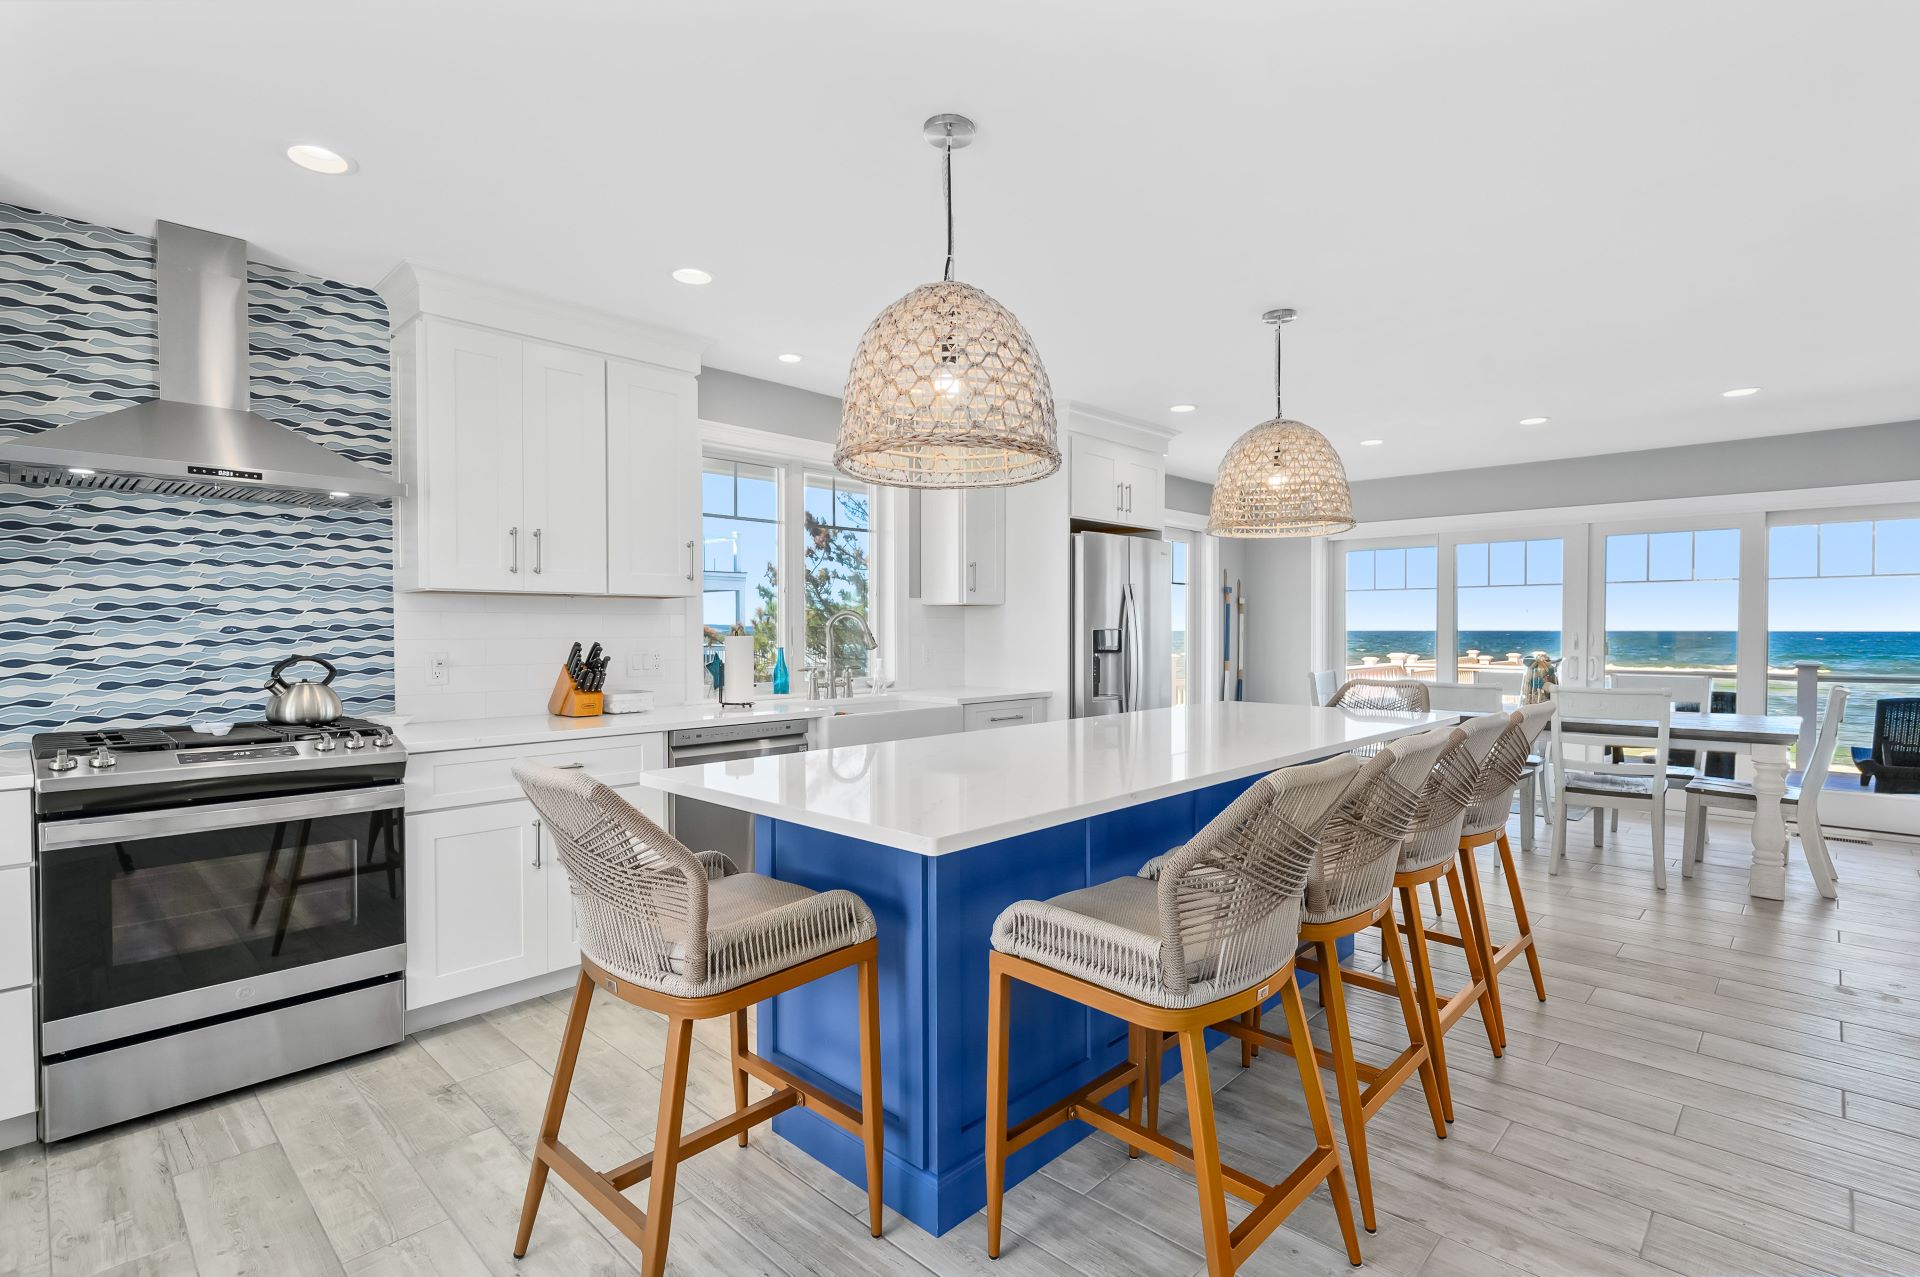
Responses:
[1505,770]
[687,936]
[1210,939]
[1350,890]
[1380,695]
[1426,858]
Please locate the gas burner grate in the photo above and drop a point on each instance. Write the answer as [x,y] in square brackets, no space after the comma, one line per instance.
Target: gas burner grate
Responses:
[131,739]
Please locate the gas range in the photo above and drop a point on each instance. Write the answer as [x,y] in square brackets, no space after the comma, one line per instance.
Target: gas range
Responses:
[90,769]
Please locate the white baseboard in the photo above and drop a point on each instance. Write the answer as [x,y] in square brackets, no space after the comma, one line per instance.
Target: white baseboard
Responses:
[439,1013]
[16,1131]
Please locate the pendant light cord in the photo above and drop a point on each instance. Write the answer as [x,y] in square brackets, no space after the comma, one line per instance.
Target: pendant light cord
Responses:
[946,189]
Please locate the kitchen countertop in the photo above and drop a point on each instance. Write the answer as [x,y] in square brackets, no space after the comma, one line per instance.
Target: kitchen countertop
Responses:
[16,769]
[939,794]
[435,736]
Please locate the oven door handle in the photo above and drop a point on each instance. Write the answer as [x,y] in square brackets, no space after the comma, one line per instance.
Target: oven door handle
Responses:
[92,831]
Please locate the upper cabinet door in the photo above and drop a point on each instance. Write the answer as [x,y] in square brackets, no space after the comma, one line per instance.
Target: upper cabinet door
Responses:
[565,540]
[652,481]
[984,518]
[1144,487]
[1096,492]
[475,534]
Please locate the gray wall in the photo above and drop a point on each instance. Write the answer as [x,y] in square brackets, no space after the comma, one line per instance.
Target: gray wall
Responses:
[1815,459]
[740,400]
[1190,495]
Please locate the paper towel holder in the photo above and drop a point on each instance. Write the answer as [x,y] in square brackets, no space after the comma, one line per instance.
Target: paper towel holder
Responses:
[737,650]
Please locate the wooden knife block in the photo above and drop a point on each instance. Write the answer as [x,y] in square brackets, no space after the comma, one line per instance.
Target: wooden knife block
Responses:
[568,701]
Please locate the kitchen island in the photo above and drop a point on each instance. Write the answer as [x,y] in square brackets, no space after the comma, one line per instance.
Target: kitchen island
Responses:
[938,835]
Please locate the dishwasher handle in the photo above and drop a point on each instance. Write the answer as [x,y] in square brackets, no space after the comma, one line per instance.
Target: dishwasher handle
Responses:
[728,751]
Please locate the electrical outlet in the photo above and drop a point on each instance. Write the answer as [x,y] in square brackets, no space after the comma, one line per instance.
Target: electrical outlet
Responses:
[437,665]
[644,661]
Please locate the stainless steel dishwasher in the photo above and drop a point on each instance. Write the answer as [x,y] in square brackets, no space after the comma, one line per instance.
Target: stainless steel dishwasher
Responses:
[706,826]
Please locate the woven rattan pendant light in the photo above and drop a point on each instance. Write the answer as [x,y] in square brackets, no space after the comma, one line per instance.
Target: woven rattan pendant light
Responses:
[1281,478]
[946,389]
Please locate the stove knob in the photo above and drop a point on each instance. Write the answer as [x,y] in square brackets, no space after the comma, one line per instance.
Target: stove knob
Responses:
[323,744]
[356,742]
[62,762]
[383,740]
[102,758]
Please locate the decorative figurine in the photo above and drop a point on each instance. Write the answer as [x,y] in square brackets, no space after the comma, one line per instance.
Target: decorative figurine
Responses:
[1539,679]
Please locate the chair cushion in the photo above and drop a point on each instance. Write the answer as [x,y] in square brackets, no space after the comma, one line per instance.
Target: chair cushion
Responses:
[758,925]
[1608,784]
[1739,791]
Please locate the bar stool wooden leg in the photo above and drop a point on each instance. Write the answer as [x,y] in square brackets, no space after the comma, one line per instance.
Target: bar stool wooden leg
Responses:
[1316,1097]
[666,1147]
[1247,1048]
[1476,935]
[1346,1076]
[872,1115]
[1206,1153]
[1434,889]
[556,1104]
[999,1026]
[1423,988]
[1156,1042]
[1470,946]
[1526,927]
[1410,1012]
[1136,1089]
[737,1047]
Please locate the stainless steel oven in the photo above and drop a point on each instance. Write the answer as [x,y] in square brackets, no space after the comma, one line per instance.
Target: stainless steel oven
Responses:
[188,950]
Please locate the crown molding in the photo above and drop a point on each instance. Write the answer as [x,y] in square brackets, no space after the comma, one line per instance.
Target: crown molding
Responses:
[1086,419]
[412,291]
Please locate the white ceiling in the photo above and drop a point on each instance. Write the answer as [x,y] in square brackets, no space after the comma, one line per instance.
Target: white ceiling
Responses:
[1601,212]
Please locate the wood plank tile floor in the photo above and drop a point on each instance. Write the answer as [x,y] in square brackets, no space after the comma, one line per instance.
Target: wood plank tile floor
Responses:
[1717,1085]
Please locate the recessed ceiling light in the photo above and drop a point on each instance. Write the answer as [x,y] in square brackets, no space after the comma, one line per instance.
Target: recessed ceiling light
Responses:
[1183,407]
[789,359]
[1740,393]
[82,471]
[318,159]
[1534,421]
[339,496]
[1371,443]
[692,275]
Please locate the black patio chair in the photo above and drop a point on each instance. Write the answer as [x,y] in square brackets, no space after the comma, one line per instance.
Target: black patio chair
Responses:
[1893,764]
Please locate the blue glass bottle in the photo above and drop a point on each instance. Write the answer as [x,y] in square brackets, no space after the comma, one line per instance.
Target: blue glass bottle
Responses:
[779,671]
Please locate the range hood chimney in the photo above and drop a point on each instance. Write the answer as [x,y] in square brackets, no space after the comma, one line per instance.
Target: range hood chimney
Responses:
[198,439]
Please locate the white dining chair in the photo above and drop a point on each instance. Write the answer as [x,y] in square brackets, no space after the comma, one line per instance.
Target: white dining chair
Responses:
[1321,685]
[1613,780]
[1688,692]
[1801,803]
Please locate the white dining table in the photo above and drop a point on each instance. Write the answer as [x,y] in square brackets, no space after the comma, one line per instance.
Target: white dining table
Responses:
[1766,738]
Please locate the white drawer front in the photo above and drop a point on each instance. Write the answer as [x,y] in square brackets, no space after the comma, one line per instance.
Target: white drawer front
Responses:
[16,927]
[16,828]
[459,778]
[16,1053]
[1004,714]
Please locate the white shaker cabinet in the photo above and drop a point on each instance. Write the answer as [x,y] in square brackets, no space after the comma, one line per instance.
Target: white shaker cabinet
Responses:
[1117,484]
[653,481]
[546,449]
[963,551]
[564,526]
[477,906]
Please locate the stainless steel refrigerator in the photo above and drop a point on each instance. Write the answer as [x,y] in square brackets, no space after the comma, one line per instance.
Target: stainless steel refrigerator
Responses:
[1122,624]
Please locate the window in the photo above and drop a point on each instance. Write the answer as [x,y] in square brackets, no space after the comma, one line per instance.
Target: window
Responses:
[1177,606]
[1673,601]
[1507,595]
[837,567]
[1847,595]
[1391,602]
[788,545]
[740,523]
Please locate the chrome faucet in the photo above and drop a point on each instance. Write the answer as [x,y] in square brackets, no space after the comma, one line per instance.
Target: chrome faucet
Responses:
[866,636]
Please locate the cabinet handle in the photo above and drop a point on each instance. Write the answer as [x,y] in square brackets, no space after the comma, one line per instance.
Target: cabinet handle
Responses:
[973,577]
[513,541]
[1119,497]
[568,767]
[1129,498]
[1006,718]
[536,842]
[539,552]
[693,561]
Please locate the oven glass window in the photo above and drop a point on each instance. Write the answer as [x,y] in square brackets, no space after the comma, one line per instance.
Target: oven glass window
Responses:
[126,921]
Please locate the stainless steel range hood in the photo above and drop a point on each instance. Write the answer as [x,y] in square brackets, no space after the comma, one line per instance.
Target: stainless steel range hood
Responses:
[198,439]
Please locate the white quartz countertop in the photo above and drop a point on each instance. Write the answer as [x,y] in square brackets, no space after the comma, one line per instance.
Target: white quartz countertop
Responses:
[434,736]
[16,769]
[940,794]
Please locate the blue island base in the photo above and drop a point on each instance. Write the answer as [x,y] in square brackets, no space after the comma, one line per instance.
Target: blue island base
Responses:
[935,917]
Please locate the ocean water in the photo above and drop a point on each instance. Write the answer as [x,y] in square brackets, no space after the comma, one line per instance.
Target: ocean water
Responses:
[1839,652]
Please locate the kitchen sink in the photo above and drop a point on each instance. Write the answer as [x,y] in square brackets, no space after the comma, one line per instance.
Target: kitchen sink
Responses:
[863,720]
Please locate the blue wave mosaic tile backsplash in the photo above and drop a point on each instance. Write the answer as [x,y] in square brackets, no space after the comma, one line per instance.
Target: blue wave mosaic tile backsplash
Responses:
[123,608]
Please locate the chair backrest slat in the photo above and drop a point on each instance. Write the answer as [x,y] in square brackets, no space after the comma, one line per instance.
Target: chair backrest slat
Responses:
[1813,777]
[1604,706]
[1692,690]
[1321,685]
[1473,698]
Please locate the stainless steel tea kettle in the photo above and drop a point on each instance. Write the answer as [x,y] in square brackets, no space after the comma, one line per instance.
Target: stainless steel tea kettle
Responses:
[305,701]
